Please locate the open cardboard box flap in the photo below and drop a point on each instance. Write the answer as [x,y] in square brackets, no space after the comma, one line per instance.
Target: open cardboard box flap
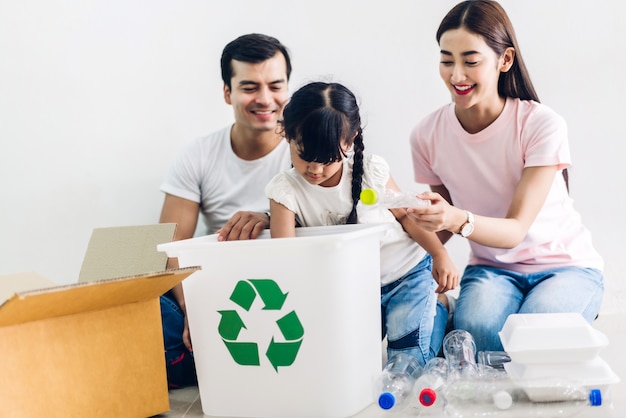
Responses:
[54,301]
[93,348]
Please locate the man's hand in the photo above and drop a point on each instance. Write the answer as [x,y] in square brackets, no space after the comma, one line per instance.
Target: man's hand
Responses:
[244,225]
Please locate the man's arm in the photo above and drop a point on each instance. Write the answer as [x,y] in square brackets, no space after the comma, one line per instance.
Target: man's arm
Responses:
[184,213]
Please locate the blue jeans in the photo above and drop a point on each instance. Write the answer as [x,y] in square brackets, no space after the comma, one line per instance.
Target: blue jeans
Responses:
[489,295]
[179,361]
[412,318]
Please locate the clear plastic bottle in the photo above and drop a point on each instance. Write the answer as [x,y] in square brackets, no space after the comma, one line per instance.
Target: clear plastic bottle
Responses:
[505,398]
[397,381]
[390,199]
[430,385]
[495,359]
[459,349]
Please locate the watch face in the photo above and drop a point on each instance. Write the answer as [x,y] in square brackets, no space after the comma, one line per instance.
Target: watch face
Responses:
[467,230]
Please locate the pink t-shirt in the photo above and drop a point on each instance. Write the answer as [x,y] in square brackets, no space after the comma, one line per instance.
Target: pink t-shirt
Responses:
[482,170]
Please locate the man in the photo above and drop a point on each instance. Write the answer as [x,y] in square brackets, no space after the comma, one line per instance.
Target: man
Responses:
[223,176]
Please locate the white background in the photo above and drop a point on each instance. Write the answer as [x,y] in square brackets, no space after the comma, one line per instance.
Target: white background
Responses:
[95,96]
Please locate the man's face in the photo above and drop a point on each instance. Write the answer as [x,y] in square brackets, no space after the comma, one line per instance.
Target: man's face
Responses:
[258,93]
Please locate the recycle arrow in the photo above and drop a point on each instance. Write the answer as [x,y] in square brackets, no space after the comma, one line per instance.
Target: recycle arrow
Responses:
[268,290]
[290,326]
[246,354]
[230,325]
[284,353]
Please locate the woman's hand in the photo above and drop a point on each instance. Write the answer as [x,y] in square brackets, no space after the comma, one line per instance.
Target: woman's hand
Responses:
[438,216]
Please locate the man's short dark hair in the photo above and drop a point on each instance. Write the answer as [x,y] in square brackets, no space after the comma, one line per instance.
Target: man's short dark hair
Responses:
[252,48]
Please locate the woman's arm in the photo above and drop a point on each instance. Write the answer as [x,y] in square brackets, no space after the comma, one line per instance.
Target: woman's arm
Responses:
[528,199]
[444,235]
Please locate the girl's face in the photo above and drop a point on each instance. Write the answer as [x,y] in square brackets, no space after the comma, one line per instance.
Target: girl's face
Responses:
[470,68]
[325,175]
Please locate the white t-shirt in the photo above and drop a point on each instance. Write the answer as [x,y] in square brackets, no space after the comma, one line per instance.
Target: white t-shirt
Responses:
[319,206]
[482,170]
[207,171]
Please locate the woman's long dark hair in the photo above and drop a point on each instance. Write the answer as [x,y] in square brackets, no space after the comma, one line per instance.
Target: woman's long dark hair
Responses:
[320,118]
[488,19]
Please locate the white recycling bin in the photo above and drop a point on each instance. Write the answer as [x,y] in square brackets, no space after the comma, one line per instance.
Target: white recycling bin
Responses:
[285,327]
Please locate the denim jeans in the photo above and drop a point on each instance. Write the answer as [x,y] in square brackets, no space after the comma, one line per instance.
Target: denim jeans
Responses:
[489,295]
[412,318]
[179,361]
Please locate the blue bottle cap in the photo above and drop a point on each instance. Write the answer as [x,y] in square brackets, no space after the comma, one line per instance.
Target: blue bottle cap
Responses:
[386,400]
[595,397]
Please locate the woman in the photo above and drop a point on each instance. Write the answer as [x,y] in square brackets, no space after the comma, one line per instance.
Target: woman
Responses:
[495,159]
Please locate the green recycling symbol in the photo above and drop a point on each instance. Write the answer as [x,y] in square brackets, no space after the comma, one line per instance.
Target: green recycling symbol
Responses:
[280,354]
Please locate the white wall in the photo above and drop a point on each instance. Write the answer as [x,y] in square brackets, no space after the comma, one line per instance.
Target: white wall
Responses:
[95,96]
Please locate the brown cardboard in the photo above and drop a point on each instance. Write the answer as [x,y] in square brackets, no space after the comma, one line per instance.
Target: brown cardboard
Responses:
[90,349]
[125,251]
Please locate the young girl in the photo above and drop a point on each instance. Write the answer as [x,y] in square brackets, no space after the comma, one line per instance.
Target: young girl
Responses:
[499,156]
[323,127]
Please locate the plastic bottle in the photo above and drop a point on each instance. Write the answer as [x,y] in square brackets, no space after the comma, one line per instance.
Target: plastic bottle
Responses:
[390,199]
[429,386]
[459,349]
[495,359]
[505,398]
[397,380]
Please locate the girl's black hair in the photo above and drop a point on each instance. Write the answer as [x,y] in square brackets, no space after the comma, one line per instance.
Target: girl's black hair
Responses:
[323,119]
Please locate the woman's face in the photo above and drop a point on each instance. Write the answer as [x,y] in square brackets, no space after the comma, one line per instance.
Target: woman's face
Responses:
[469,68]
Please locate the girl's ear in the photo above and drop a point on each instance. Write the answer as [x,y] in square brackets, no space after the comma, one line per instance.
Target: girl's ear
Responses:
[346,145]
[507,59]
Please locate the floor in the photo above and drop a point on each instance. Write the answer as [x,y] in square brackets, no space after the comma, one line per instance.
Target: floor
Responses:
[185,403]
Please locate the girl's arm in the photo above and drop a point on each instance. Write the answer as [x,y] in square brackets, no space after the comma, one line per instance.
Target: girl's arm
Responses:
[444,271]
[282,221]
[528,199]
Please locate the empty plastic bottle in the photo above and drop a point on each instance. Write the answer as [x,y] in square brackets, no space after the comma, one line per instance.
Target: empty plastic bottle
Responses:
[397,381]
[429,386]
[390,199]
[506,398]
[495,359]
[459,349]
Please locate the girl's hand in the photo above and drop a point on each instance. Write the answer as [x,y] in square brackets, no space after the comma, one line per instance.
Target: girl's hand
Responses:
[445,272]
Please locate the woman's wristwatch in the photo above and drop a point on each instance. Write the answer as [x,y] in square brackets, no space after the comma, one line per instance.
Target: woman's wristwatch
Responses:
[468,227]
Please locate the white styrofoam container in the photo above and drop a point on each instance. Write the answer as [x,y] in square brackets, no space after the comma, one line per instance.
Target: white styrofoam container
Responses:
[331,279]
[550,338]
[541,380]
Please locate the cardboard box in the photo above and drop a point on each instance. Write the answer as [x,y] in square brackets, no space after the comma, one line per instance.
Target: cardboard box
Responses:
[285,327]
[91,349]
